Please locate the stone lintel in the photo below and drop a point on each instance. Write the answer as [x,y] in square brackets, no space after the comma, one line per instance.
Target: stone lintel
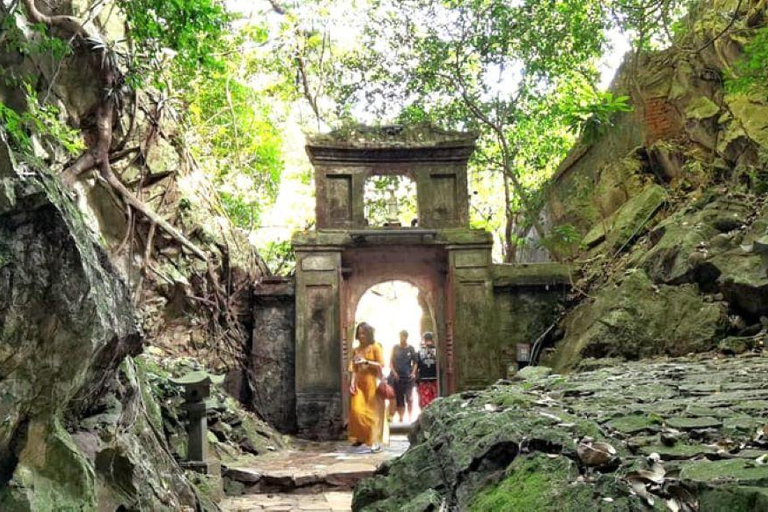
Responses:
[533,274]
[331,239]
[350,156]
[373,145]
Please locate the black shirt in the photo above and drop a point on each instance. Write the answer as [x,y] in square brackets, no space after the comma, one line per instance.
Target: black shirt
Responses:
[403,359]
[427,363]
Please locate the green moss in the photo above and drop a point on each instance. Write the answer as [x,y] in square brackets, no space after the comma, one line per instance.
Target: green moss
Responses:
[737,499]
[414,135]
[635,423]
[533,483]
[209,488]
[744,472]
[701,108]
[676,452]
[691,423]
[51,475]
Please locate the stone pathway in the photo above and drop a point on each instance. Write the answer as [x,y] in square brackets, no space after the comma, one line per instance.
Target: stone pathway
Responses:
[310,476]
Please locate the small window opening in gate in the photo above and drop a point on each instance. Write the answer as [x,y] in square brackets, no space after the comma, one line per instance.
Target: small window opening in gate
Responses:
[391,307]
[390,201]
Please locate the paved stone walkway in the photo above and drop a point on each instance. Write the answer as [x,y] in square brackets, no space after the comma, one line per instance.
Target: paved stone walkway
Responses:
[310,476]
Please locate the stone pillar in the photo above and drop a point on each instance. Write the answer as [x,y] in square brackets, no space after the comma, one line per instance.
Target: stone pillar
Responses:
[472,308]
[273,353]
[318,344]
[197,389]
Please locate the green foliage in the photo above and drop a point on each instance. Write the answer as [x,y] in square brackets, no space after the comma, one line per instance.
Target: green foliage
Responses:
[43,120]
[190,49]
[193,32]
[236,142]
[279,257]
[751,71]
[592,113]
[562,239]
[13,126]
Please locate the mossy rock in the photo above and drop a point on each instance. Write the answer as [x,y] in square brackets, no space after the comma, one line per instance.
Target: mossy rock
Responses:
[632,320]
[701,108]
[740,471]
[634,216]
[634,423]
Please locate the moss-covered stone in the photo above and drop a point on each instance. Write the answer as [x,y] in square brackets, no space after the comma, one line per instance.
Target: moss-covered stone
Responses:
[406,135]
[633,319]
[635,215]
[531,483]
[634,423]
[701,108]
[511,445]
[739,471]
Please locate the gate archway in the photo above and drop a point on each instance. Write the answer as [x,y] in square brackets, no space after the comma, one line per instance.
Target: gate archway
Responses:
[345,256]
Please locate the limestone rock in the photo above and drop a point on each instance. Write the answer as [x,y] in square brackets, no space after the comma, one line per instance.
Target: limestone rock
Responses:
[689,233]
[79,430]
[636,319]
[524,454]
[630,220]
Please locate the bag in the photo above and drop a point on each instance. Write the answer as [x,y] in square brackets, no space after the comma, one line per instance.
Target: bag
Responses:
[385,391]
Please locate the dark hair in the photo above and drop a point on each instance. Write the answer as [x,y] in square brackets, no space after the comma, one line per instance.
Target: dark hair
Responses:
[369,331]
[428,335]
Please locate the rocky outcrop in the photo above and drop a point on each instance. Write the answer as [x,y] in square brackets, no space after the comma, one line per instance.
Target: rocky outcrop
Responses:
[671,196]
[78,431]
[680,434]
[637,319]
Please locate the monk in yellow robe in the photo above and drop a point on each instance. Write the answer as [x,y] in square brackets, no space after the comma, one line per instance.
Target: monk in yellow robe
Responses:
[367,421]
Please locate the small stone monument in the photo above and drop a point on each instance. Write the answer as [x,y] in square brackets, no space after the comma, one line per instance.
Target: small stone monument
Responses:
[197,388]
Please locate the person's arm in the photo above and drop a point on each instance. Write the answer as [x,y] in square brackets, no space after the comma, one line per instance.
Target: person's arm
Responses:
[414,363]
[378,355]
[392,364]
[352,376]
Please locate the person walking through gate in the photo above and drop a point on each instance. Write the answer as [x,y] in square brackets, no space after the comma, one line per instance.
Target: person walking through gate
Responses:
[403,364]
[426,373]
[367,421]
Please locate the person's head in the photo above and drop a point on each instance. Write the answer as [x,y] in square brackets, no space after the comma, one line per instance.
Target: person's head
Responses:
[429,339]
[403,338]
[365,334]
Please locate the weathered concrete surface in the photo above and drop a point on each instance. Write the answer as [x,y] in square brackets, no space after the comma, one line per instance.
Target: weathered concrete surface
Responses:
[536,445]
[272,366]
[435,159]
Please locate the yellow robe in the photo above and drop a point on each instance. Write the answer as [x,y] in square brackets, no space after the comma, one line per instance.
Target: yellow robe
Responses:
[367,421]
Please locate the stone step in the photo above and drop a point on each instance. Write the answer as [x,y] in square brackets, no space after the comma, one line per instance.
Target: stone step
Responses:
[308,468]
[334,501]
[342,476]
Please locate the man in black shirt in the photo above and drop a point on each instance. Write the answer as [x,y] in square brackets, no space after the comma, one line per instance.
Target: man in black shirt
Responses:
[403,364]
[426,376]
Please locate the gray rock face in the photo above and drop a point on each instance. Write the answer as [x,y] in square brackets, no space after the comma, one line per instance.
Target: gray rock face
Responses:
[73,435]
[637,319]
[685,240]
[675,433]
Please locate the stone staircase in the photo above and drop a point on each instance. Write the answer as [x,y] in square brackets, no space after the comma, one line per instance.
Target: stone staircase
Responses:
[310,476]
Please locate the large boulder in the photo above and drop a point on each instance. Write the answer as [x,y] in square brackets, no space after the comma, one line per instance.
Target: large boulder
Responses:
[650,435]
[76,432]
[686,239]
[629,221]
[637,318]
